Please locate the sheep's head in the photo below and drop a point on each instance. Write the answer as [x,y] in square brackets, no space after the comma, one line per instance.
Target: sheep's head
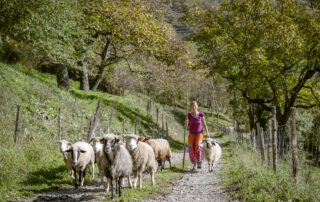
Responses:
[109,144]
[75,153]
[209,142]
[64,145]
[96,144]
[131,141]
[142,139]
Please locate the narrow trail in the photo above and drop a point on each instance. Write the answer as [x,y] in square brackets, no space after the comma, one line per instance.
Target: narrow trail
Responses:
[197,185]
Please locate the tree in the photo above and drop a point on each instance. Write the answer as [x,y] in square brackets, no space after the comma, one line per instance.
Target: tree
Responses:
[268,50]
[126,28]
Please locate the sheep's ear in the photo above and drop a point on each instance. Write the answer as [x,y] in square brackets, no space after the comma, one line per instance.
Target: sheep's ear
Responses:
[140,138]
[91,140]
[102,141]
[116,140]
[69,143]
[83,151]
[145,139]
[69,150]
[214,143]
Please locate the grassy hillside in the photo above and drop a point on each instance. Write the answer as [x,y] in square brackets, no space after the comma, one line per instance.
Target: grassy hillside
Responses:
[34,163]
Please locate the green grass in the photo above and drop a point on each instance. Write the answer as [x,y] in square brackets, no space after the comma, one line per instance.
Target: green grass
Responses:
[247,179]
[34,164]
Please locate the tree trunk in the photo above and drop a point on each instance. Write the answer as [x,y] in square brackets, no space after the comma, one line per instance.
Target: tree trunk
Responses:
[84,80]
[102,67]
[62,76]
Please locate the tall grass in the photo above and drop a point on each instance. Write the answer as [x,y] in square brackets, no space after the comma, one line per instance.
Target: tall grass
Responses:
[248,179]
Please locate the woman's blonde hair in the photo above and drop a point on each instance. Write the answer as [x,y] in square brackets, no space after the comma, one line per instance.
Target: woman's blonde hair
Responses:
[194,103]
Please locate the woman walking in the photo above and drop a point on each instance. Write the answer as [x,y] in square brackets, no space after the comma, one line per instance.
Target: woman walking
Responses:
[195,139]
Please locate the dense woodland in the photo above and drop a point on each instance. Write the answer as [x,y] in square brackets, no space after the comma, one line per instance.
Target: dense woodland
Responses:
[240,59]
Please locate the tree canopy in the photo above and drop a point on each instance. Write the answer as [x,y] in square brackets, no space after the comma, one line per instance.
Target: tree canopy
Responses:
[268,50]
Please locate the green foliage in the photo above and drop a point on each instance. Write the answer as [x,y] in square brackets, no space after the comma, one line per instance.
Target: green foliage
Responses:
[266,49]
[248,179]
[50,27]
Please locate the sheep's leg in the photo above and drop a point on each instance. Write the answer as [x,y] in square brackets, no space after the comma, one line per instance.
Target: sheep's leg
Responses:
[92,164]
[152,178]
[75,178]
[111,183]
[169,159]
[140,179]
[80,177]
[135,178]
[83,176]
[120,184]
[159,165]
[129,181]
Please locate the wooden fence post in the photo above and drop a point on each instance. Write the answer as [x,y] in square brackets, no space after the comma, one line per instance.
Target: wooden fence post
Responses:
[16,131]
[59,123]
[254,140]
[162,131]
[295,159]
[94,121]
[262,145]
[167,130]
[269,141]
[274,140]
[136,127]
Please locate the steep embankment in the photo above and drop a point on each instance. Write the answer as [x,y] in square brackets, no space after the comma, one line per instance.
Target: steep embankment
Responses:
[33,164]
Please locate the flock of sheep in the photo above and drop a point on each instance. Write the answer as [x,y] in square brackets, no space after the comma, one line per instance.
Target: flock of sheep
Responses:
[117,160]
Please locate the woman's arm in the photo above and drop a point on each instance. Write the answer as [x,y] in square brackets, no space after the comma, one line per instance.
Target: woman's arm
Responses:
[205,126]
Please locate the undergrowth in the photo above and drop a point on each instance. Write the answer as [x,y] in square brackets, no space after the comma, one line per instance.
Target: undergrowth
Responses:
[248,179]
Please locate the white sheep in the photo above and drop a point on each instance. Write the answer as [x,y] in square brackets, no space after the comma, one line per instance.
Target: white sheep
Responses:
[82,155]
[117,162]
[143,158]
[161,150]
[67,158]
[211,152]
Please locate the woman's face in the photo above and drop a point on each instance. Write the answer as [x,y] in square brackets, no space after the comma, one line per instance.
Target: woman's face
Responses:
[194,107]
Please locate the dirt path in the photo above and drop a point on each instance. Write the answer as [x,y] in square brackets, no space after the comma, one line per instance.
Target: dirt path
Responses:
[197,185]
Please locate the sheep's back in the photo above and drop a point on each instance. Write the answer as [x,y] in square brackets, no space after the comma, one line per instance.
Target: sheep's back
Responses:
[143,155]
[160,147]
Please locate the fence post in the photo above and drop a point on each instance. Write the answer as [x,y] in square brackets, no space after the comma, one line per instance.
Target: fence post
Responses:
[136,127]
[269,141]
[94,121]
[16,131]
[261,140]
[59,123]
[162,131]
[274,140]
[167,130]
[253,138]
[295,159]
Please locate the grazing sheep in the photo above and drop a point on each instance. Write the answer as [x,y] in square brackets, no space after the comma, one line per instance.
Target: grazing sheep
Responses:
[211,152]
[67,158]
[161,148]
[82,155]
[117,162]
[143,158]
